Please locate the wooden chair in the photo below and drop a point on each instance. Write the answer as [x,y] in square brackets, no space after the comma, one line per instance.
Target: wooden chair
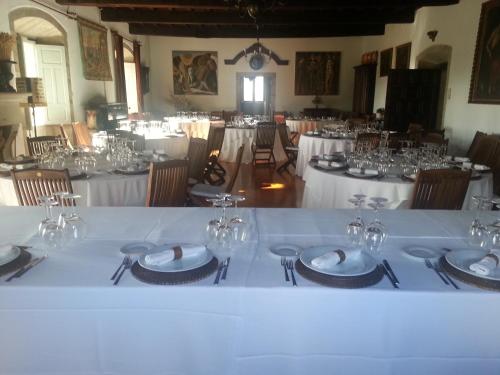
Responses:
[394,140]
[211,191]
[415,132]
[227,116]
[65,138]
[8,134]
[197,155]
[33,183]
[367,141]
[486,150]
[82,134]
[214,146]
[167,183]
[435,138]
[440,189]
[475,142]
[264,144]
[38,145]
[290,149]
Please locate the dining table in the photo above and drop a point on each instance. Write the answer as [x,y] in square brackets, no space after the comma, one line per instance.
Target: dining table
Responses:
[302,126]
[197,128]
[318,145]
[334,189]
[65,316]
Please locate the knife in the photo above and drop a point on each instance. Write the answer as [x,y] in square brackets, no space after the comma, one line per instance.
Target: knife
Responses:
[389,277]
[26,268]
[389,269]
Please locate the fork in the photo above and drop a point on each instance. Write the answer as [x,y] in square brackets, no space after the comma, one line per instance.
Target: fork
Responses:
[119,267]
[221,267]
[431,266]
[289,265]
[283,263]
[126,266]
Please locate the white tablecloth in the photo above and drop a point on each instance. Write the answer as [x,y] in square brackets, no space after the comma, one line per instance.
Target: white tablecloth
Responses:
[193,128]
[65,317]
[235,137]
[334,189]
[309,146]
[302,126]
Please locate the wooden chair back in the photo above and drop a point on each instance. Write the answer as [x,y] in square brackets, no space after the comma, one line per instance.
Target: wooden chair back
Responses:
[33,183]
[440,189]
[239,156]
[475,142]
[436,138]
[215,140]
[197,155]
[82,134]
[227,116]
[367,141]
[38,145]
[65,137]
[167,183]
[394,140]
[486,151]
[283,133]
[266,133]
[8,134]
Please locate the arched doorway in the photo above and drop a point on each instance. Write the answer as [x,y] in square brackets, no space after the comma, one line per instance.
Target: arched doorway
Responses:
[437,57]
[42,52]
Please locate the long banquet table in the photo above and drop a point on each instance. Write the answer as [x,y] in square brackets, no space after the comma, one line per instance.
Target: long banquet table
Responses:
[327,189]
[65,317]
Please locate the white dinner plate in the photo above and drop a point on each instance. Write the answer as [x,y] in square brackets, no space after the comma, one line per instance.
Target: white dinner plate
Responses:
[352,266]
[462,259]
[421,252]
[10,255]
[330,167]
[137,248]
[286,250]
[179,265]
[361,175]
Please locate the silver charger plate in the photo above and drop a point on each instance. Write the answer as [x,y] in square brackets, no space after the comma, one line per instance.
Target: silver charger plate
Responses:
[10,256]
[179,265]
[358,266]
[421,252]
[285,250]
[462,259]
[137,248]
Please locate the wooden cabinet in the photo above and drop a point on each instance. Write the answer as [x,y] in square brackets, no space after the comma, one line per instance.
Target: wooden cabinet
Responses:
[364,88]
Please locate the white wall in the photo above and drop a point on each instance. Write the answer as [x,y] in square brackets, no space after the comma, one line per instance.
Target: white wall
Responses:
[161,70]
[82,89]
[457,26]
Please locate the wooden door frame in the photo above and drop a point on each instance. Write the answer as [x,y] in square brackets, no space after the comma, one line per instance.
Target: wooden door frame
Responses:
[239,88]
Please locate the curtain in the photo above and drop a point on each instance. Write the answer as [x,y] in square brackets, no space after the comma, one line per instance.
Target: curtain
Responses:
[120,88]
[138,80]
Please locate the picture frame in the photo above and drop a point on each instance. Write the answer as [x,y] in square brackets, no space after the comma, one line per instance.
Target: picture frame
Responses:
[485,77]
[195,72]
[317,73]
[385,61]
[403,54]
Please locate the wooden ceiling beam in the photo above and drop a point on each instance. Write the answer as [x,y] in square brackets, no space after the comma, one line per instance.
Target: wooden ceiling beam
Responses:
[250,32]
[370,16]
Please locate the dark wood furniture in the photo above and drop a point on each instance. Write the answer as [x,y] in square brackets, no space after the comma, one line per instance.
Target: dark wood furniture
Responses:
[440,189]
[214,171]
[38,145]
[197,155]
[364,88]
[289,147]
[167,183]
[264,144]
[475,142]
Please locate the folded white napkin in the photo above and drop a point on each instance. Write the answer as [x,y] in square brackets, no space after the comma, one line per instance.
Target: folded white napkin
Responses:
[486,265]
[333,258]
[336,164]
[177,252]
[6,250]
[324,163]
[370,172]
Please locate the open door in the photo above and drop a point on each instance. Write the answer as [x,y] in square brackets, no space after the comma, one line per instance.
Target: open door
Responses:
[412,97]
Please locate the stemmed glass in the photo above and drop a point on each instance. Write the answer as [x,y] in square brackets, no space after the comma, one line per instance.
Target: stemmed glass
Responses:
[48,228]
[75,228]
[355,228]
[375,232]
[478,232]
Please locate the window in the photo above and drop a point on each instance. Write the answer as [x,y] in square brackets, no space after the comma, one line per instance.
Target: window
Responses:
[253,89]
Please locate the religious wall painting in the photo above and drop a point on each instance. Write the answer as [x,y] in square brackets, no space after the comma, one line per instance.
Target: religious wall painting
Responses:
[94,50]
[317,73]
[195,72]
[485,81]
[403,53]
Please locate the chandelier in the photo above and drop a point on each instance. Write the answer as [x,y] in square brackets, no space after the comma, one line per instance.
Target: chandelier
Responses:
[254,8]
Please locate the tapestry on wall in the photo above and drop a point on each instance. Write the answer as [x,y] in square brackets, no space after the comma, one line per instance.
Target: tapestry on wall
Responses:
[317,73]
[94,50]
[485,81]
[195,72]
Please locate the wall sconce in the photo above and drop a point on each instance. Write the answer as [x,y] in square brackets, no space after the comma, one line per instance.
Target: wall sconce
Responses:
[432,34]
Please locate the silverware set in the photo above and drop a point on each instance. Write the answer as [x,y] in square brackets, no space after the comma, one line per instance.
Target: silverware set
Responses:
[125,265]
[222,270]
[26,268]
[287,265]
[389,273]
[441,273]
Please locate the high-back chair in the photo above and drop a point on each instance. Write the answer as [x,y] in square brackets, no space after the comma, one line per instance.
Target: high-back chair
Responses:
[214,146]
[8,135]
[367,141]
[33,183]
[167,183]
[475,142]
[38,145]
[197,155]
[291,151]
[264,144]
[82,134]
[65,138]
[486,150]
[440,189]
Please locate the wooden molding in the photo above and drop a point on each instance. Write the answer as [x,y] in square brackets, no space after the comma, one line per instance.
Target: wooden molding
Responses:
[254,48]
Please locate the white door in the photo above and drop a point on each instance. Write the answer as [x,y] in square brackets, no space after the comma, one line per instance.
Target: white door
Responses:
[52,69]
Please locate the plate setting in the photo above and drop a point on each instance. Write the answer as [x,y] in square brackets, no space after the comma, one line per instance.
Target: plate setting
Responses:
[21,259]
[355,272]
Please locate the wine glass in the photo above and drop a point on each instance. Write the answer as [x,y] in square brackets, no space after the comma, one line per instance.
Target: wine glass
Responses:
[75,228]
[375,232]
[355,228]
[478,233]
[48,202]
[50,232]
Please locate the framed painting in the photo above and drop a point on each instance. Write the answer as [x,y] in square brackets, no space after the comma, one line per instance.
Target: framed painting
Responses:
[385,62]
[317,73]
[403,53]
[94,50]
[195,72]
[485,81]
